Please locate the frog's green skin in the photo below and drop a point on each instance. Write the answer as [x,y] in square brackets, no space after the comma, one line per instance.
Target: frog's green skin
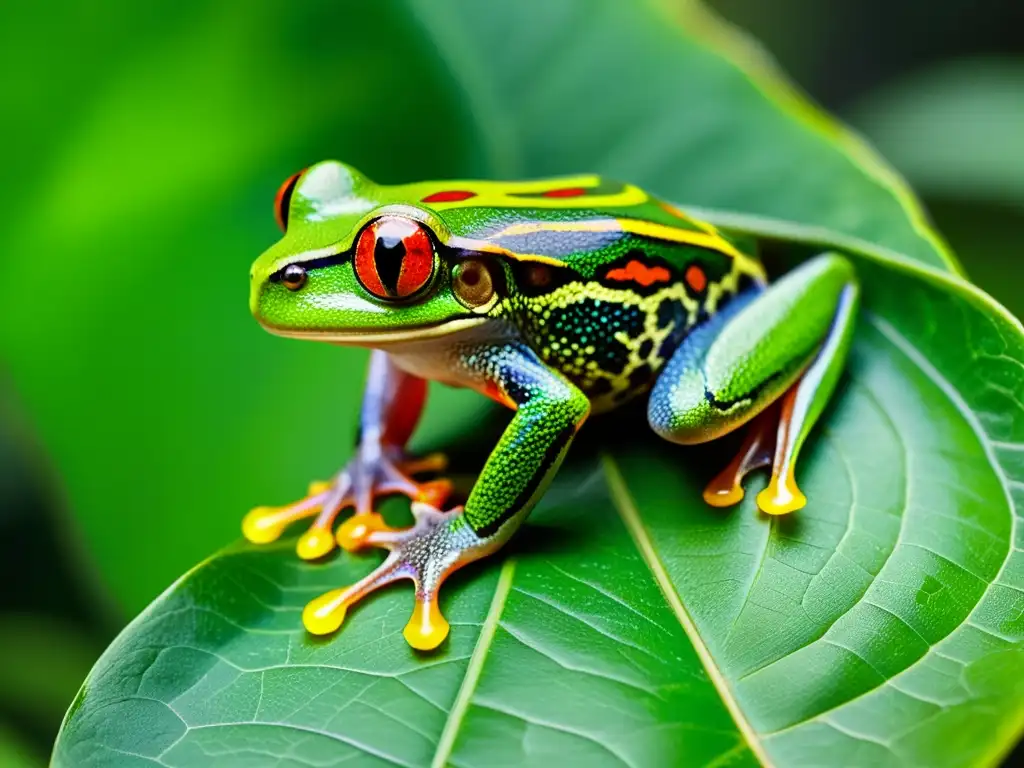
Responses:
[558,298]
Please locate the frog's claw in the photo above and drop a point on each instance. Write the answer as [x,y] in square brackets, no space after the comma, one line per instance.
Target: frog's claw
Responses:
[358,485]
[435,546]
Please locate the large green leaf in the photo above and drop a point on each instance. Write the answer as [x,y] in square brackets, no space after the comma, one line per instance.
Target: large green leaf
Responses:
[144,182]
[631,624]
[628,623]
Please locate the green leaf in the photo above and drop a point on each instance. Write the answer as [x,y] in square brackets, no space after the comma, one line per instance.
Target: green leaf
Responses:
[628,623]
[954,129]
[692,111]
[145,186]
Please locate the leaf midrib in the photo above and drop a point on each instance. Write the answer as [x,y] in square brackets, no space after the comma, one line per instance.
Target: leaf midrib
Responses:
[630,515]
[453,724]
[626,507]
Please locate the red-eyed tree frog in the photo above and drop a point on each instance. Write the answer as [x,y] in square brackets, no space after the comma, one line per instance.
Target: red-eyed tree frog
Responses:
[558,298]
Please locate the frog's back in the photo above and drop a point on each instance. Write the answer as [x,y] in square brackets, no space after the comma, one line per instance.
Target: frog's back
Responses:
[608,280]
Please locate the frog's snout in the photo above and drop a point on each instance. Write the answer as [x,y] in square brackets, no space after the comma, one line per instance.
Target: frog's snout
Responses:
[255,289]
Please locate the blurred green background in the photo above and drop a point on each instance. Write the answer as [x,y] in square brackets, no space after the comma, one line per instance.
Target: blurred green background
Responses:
[144,145]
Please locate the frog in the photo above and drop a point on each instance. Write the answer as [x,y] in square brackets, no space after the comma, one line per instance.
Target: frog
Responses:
[559,299]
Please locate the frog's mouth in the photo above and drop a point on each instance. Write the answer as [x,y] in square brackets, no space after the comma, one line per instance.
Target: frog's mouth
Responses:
[376,337]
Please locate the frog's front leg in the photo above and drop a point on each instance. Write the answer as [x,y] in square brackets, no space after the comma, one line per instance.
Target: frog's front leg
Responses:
[391,408]
[549,410]
[773,354]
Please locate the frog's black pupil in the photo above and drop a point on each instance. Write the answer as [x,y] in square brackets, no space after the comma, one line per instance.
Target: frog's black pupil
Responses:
[388,253]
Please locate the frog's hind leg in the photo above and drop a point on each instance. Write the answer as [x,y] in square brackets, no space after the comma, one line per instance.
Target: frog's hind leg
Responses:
[775,355]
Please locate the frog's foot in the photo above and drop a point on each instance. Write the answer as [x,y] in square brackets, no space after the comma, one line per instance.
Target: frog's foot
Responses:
[768,443]
[435,546]
[358,486]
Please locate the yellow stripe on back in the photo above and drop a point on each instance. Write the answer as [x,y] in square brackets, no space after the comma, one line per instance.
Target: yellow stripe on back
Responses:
[710,238]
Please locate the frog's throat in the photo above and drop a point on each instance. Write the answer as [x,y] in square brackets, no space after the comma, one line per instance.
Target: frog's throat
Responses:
[375,337]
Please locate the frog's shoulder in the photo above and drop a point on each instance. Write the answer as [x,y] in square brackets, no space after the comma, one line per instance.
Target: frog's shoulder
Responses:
[582,222]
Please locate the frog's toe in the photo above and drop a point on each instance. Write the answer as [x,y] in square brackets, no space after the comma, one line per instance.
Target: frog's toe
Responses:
[353,533]
[726,489]
[438,544]
[315,543]
[359,485]
[781,497]
[432,462]
[760,449]
[266,524]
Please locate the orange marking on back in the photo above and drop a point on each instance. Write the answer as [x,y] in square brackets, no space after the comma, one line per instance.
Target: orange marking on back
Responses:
[638,272]
[696,278]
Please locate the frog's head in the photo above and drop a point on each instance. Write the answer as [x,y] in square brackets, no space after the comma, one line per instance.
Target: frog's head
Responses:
[362,264]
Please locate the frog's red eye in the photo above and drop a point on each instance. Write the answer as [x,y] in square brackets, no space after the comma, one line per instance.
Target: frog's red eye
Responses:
[283,199]
[394,257]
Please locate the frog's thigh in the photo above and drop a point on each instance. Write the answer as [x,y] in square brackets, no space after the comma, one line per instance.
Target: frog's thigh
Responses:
[730,370]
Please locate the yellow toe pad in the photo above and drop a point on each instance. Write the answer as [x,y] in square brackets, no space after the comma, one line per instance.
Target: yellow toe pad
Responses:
[780,499]
[427,628]
[325,614]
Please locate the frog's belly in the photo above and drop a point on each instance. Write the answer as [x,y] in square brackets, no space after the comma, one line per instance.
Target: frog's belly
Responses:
[444,359]
[443,367]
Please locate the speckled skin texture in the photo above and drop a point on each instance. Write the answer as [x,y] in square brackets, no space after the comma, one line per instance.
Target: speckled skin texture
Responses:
[549,410]
[556,298]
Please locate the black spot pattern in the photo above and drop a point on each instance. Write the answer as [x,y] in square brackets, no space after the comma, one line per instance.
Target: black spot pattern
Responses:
[640,376]
[676,313]
[671,311]
[565,336]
